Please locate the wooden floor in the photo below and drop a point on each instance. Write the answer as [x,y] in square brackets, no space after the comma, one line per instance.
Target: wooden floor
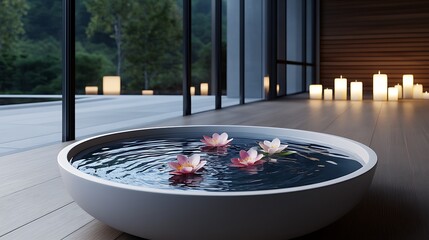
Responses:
[35,205]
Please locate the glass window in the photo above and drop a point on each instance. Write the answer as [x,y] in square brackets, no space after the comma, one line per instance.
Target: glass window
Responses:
[294,79]
[294,30]
[128,64]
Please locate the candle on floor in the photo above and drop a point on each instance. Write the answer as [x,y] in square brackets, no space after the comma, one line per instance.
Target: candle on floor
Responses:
[407,85]
[111,85]
[91,90]
[147,92]
[340,88]
[379,87]
[315,91]
[266,85]
[278,89]
[399,88]
[426,95]
[356,89]
[204,89]
[327,94]
[418,91]
[192,91]
[392,94]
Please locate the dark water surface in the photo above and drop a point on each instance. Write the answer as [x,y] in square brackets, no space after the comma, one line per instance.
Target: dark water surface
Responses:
[143,162]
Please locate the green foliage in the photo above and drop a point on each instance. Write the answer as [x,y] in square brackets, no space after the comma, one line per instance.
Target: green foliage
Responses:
[11,26]
[33,68]
[90,69]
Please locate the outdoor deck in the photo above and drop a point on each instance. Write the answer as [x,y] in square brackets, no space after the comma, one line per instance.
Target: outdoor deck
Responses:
[35,205]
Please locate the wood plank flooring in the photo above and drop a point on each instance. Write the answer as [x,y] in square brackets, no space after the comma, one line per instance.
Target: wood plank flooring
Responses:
[35,205]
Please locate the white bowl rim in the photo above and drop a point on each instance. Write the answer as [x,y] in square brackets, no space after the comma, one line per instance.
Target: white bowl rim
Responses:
[370,162]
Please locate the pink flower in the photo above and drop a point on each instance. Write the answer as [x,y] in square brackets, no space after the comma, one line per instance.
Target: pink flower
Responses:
[272,147]
[216,140]
[185,165]
[246,159]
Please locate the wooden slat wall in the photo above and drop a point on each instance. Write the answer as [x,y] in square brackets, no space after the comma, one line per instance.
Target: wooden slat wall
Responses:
[361,37]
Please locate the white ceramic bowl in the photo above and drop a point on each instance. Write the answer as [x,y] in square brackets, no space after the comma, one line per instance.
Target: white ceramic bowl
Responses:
[176,214]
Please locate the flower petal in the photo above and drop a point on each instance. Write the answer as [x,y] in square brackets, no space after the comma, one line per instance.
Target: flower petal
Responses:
[243,154]
[215,136]
[174,165]
[194,160]
[187,170]
[267,143]
[271,151]
[252,153]
[181,159]
[200,165]
[259,157]
[282,147]
[275,143]
[223,137]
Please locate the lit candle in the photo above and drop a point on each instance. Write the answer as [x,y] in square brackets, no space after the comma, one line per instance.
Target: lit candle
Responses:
[147,92]
[393,94]
[426,95]
[340,87]
[315,91]
[379,87]
[418,91]
[192,91]
[408,83]
[204,88]
[399,88]
[278,89]
[356,89]
[91,90]
[111,85]
[327,94]
[266,85]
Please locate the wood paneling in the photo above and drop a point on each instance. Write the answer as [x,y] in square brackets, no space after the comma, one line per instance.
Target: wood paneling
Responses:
[359,38]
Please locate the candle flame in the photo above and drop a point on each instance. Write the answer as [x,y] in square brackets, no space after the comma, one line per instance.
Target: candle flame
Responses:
[378,71]
[341,76]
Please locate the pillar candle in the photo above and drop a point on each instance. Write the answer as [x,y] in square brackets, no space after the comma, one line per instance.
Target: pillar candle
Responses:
[379,87]
[192,91]
[315,91]
[327,94]
[111,85]
[147,92]
[91,90]
[426,95]
[278,89]
[399,88]
[204,89]
[340,88]
[266,85]
[393,94]
[418,91]
[407,84]
[356,89]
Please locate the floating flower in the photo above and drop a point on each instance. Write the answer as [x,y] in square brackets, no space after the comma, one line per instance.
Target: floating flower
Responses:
[185,165]
[216,140]
[272,147]
[246,159]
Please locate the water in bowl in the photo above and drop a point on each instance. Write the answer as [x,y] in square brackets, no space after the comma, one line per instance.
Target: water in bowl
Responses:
[144,162]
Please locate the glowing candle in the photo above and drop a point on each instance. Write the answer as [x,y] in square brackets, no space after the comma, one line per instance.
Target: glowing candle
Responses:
[278,89]
[111,85]
[91,90]
[327,94]
[192,91]
[266,86]
[379,87]
[356,89]
[426,95]
[147,92]
[408,83]
[418,91]
[204,88]
[340,88]
[393,94]
[315,91]
[399,88]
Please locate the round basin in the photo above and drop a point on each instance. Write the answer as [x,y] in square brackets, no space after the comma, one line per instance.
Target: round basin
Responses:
[163,213]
